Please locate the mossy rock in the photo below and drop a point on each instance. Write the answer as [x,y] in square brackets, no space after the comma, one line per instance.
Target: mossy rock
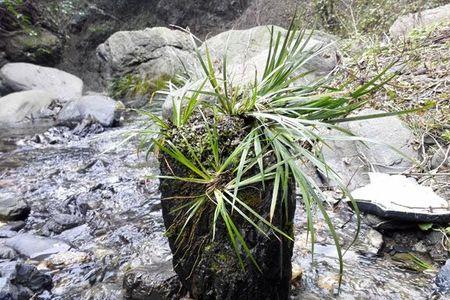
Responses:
[39,47]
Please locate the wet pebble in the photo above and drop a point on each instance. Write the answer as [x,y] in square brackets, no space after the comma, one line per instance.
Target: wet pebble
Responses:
[434,242]
[373,242]
[61,222]
[88,126]
[67,258]
[420,247]
[13,209]
[76,235]
[22,281]
[7,253]
[36,247]
[443,279]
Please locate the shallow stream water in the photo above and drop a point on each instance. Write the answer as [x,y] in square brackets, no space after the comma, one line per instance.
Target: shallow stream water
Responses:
[56,171]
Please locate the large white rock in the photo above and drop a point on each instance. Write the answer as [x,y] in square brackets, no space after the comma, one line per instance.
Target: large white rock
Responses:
[36,247]
[246,52]
[388,148]
[99,107]
[25,76]
[405,24]
[18,107]
[387,134]
[152,52]
[402,194]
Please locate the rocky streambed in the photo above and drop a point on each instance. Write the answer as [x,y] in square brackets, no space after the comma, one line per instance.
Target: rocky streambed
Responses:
[80,207]
[96,215]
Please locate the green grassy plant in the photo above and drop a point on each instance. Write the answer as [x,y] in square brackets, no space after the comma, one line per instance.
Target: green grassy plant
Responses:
[284,119]
[132,85]
[15,15]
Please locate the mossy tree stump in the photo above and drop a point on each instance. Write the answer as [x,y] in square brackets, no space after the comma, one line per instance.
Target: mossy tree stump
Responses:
[210,269]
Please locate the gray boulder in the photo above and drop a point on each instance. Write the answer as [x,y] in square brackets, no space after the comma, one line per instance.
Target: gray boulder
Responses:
[5,233]
[157,281]
[77,235]
[352,160]
[42,48]
[153,52]
[405,24]
[387,133]
[345,163]
[101,108]
[24,76]
[36,247]
[22,107]
[12,209]
[247,50]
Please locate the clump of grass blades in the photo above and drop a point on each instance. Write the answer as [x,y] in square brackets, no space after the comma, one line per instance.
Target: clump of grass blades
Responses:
[284,118]
[132,85]
[16,15]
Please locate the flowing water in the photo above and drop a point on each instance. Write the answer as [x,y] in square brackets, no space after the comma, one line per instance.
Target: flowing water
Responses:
[58,172]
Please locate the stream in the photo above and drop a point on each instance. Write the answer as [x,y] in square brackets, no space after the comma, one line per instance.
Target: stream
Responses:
[117,222]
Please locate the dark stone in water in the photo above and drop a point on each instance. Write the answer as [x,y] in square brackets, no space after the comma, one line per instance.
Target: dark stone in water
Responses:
[88,126]
[154,282]
[36,247]
[443,279]
[95,164]
[30,277]
[61,222]
[22,281]
[12,209]
[211,269]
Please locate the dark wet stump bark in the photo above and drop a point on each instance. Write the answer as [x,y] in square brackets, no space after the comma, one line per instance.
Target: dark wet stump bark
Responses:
[210,269]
